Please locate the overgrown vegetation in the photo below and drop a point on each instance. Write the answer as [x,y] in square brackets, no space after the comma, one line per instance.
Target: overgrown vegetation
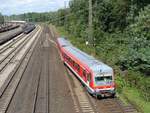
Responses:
[1,19]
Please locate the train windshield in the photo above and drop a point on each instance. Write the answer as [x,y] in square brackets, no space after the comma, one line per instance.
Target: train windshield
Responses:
[103,80]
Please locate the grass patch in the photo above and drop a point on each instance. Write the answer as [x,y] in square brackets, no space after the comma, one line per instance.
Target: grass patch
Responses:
[134,97]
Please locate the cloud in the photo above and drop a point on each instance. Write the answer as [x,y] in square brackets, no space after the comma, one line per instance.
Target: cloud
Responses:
[9,7]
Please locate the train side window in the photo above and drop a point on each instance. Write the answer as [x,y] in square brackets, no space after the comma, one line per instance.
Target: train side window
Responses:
[84,73]
[73,63]
[65,56]
[89,77]
[78,67]
[70,60]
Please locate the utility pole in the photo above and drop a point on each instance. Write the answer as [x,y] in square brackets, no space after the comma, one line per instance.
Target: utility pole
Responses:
[91,39]
[90,27]
[65,22]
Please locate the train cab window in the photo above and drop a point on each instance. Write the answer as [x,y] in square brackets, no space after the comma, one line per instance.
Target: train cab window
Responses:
[99,80]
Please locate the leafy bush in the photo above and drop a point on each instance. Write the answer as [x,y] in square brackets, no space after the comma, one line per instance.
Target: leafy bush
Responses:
[138,56]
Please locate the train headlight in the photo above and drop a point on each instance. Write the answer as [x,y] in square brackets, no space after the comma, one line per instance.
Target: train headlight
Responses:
[97,90]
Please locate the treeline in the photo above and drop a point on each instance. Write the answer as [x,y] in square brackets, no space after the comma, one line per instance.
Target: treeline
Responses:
[1,19]
[32,17]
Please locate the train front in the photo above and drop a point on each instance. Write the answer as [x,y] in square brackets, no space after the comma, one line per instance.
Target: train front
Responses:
[104,85]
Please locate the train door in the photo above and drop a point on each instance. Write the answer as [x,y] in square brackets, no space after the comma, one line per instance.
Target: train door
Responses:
[84,75]
[88,78]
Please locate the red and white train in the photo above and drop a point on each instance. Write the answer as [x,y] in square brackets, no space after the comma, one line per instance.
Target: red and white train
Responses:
[95,75]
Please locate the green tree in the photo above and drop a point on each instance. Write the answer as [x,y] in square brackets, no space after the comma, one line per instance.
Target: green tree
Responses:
[1,19]
[138,56]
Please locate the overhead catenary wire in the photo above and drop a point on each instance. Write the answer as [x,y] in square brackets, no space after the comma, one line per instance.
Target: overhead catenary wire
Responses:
[72,13]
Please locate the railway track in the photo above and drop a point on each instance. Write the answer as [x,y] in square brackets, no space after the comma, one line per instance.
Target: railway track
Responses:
[37,87]
[7,56]
[110,105]
[41,100]
[33,93]
[13,46]
[90,104]
[12,71]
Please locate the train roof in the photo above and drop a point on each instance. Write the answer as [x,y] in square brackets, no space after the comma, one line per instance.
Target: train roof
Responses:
[95,65]
[63,42]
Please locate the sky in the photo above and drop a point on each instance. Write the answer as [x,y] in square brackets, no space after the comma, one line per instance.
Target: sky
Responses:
[9,7]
